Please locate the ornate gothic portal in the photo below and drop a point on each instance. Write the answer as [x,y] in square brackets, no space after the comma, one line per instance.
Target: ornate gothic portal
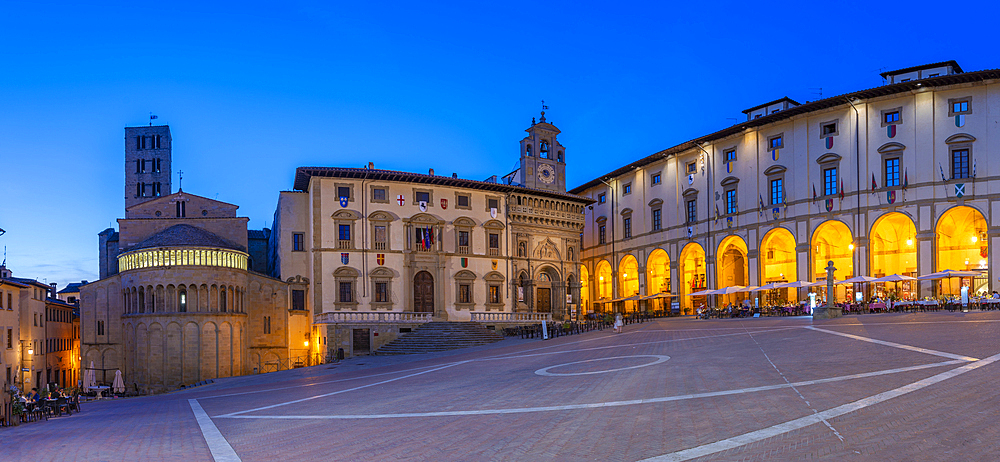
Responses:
[423,293]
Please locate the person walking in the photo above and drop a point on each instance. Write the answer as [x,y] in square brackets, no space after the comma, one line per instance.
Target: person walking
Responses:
[618,323]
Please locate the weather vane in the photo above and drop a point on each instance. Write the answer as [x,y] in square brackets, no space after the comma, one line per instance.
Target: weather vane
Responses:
[180,180]
[544,107]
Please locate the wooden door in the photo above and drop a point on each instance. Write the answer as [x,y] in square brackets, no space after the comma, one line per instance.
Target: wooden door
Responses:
[423,293]
[544,300]
[362,341]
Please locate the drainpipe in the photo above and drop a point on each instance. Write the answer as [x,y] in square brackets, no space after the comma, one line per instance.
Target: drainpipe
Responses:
[614,257]
[857,161]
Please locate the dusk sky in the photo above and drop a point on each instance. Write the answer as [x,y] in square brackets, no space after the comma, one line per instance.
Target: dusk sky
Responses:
[253,90]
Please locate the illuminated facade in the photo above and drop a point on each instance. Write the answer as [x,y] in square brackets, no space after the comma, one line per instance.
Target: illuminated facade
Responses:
[849,179]
[179,300]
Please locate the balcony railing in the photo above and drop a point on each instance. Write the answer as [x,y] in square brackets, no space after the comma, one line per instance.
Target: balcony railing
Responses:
[511,317]
[463,249]
[380,245]
[494,252]
[345,244]
[371,317]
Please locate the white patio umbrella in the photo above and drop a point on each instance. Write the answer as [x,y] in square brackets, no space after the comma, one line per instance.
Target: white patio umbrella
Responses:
[119,385]
[858,280]
[793,285]
[768,286]
[702,292]
[730,290]
[897,278]
[950,274]
[88,377]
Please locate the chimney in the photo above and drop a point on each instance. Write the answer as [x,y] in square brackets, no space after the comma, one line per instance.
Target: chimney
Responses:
[53,286]
[454,175]
[431,173]
[371,165]
[84,282]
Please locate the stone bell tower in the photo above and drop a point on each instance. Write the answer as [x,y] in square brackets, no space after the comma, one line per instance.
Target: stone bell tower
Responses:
[543,159]
[147,163]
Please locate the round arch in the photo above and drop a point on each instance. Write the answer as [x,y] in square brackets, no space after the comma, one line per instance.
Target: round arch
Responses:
[731,267]
[584,290]
[778,263]
[893,250]
[658,278]
[628,281]
[692,276]
[603,273]
[962,244]
[832,241]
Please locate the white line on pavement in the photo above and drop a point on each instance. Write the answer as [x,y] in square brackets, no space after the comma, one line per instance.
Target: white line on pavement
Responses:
[234,414]
[770,432]
[897,345]
[217,444]
[568,407]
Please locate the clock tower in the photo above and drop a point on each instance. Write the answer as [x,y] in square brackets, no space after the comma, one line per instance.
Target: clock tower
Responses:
[543,159]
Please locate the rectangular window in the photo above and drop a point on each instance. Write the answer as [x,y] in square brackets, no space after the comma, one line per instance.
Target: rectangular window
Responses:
[344,191]
[36,319]
[692,167]
[381,237]
[463,238]
[657,220]
[423,196]
[494,241]
[138,166]
[298,242]
[627,189]
[830,181]
[494,294]
[960,163]
[601,198]
[655,179]
[627,227]
[100,327]
[156,164]
[775,142]
[378,195]
[729,155]
[602,234]
[829,129]
[731,201]
[345,232]
[464,293]
[381,292]
[692,211]
[10,338]
[959,107]
[346,294]
[493,204]
[891,117]
[463,201]
[267,324]
[143,170]
[892,172]
[298,299]
[777,192]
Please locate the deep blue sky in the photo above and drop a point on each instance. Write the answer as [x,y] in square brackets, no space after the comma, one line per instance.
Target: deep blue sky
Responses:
[251,91]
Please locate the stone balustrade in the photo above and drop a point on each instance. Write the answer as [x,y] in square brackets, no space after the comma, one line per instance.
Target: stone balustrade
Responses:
[371,317]
[511,317]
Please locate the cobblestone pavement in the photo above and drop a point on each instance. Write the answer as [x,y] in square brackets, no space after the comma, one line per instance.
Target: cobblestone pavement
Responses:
[904,387]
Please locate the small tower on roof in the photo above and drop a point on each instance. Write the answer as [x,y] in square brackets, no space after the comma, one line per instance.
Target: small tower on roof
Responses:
[543,159]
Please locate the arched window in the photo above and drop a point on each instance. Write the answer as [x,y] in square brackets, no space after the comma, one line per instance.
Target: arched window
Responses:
[559,156]
[222,300]
[182,301]
[527,150]
[543,150]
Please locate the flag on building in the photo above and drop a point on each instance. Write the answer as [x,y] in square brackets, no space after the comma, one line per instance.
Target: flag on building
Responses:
[841,189]
[906,180]
[814,192]
[874,184]
[760,211]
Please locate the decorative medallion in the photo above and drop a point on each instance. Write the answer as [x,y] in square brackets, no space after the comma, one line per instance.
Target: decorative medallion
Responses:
[400,200]
[444,204]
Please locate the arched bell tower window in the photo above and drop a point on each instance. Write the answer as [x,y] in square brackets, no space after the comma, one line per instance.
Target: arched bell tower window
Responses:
[543,150]
[559,156]
[182,301]
[527,150]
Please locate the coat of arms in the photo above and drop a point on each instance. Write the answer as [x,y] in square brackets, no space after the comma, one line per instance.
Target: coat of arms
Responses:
[345,258]
[423,206]
[444,204]
[343,201]
[829,205]
[380,259]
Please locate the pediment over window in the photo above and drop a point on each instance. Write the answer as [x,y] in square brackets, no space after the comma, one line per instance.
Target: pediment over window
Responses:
[690,192]
[382,272]
[960,138]
[774,170]
[891,148]
[729,180]
[297,279]
[828,158]
[345,272]
[656,202]
[425,219]
[494,276]
[464,222]
[465,274]
[381,215]
[345,214]
[627,211]
[493,224]
[602,219]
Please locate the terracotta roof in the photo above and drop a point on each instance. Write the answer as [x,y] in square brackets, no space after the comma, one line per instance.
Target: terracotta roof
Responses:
[833,101]
[185,236]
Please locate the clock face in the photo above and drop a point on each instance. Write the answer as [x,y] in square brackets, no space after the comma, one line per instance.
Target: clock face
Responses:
[546,173]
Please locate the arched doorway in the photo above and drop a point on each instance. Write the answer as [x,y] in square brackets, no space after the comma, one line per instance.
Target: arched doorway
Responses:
[894,251]
[777,264]
[544,291]
[962,244]
[658,279]
[833,241]
[423,293]
[692,274]
[732,270]
[603,283]
[628,282]
[584,290]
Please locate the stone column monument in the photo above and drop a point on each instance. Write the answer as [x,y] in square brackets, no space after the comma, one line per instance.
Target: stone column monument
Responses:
[830,310]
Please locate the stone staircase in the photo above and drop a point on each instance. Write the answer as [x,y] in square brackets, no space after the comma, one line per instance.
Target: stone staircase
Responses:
[440,336]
